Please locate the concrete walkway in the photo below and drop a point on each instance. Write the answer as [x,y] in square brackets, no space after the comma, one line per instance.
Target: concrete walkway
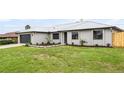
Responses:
[10,45]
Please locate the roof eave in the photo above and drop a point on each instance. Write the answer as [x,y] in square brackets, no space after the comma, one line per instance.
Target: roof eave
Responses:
[84,29]
[32,32]
[117,28]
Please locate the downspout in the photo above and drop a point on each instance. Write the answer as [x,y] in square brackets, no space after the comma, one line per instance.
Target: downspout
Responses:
[92,37]
[103,37]
[111,36]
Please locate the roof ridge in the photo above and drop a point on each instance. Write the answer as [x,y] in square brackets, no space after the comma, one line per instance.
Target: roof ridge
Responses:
[99,23]
[80,22]
[67,23]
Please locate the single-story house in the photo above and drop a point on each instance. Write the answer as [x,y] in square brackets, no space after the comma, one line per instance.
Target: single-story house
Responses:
[9,36]
[72,33]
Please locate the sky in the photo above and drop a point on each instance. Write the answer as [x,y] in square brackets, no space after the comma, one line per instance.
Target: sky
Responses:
[12,25]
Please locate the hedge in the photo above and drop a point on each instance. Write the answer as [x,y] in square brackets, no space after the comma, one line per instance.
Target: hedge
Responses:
[4,42]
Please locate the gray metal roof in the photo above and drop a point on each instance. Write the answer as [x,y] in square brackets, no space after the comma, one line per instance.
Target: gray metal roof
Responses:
[70,26]
[81,25]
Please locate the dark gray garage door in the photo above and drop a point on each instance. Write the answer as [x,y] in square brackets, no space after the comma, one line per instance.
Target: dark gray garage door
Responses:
[25,38]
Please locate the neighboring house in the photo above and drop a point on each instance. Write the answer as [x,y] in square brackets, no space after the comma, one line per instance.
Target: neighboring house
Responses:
[9,36]
[91,32]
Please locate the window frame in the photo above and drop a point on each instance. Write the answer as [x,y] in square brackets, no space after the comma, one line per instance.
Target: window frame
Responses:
[53,35]
[94,37]
[76,37]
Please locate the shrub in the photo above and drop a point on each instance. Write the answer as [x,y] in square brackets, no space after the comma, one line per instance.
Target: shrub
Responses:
[66,43]
[72,43]
[53,43]
[27,44]
[108,44]
[4,42]
[30,43]
[48,43]
[37,44]
[82,42]
[42,43]
[96,45]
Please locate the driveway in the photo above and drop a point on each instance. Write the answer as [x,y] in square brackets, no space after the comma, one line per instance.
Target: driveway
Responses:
[10,45]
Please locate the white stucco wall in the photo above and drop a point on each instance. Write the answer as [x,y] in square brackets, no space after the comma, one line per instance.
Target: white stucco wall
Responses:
[55,40]
[18,38]
[70,40]
[62,38]
[88,37]
[82,35]
[107,37]
[69,37]
[39,38]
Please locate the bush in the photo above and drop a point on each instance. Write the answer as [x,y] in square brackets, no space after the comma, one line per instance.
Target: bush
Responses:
[42,43]
[53,43]
[59,42]
[37,44]
[72,43]
[96,45]
[48,43]
[30,43]
[108,44]
[27,44]
[82,42]
[66,43]
[5,42]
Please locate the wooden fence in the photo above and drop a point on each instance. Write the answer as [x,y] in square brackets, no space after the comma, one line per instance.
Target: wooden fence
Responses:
[118,39]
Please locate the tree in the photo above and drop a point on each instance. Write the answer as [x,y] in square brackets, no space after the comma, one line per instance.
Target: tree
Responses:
[27,27]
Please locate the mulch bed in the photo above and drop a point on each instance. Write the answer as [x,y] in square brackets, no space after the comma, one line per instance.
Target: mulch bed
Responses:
[47,46]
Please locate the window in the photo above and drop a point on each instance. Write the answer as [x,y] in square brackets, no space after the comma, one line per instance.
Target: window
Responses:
[98,35]
[55,35]
[74,35]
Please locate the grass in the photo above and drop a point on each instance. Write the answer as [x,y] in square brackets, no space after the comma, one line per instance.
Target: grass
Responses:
[62,59]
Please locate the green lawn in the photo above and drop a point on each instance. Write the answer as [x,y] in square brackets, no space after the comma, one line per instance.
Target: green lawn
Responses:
[62,59]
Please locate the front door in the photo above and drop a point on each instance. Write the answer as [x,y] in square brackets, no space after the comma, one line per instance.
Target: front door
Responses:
[65,37]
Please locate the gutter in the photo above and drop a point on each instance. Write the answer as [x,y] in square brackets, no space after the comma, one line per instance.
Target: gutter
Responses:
[91,29]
